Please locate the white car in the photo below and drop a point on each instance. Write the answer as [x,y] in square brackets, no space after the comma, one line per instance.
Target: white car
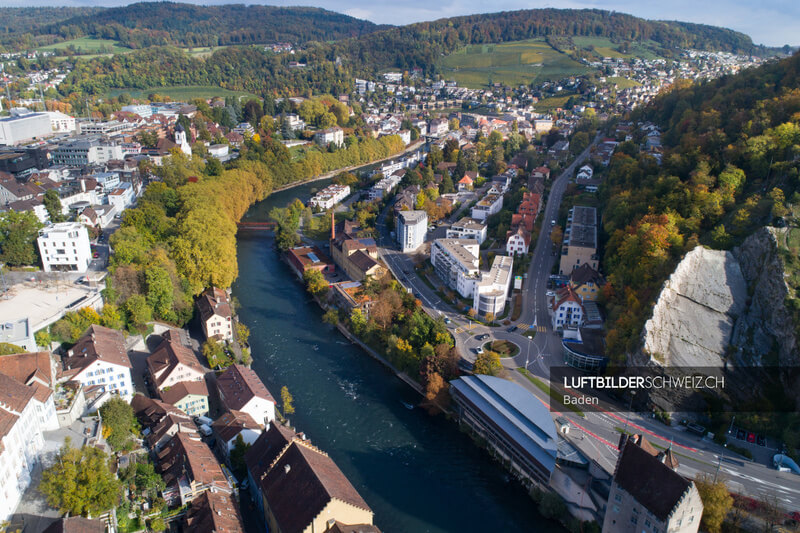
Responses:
[479,350]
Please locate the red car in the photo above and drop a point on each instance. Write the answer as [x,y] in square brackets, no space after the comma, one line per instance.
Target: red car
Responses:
[95,255]
[751,437]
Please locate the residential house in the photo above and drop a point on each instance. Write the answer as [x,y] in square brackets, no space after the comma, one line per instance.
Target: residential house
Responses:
[567,309]
[357,256]
[240,389]
[26,411]
[304,491]
[216,314]
[584,173]
[467,182]
[488,206]
[541,172]
[100,363]
[334,135]
[262,454]
[438,127]
[328,197]
[191,397]
[37,370]
[467,228]
[456,263]
[189,469]
[586,282]
[160,420]
[648,494]
[518,242]
[213,512]
[172,362]
[232,424]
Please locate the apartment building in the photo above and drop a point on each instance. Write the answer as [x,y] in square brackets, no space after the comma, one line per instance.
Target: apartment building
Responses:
[411,229]
[580,240]
[491,292]
[456,263]
[65,247]
[467,228]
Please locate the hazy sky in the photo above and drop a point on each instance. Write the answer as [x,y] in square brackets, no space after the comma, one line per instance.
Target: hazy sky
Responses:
[769,22]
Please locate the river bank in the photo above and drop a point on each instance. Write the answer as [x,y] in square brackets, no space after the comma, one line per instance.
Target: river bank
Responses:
[410,468]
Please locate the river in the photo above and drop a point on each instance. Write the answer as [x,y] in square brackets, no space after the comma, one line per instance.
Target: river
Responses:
[418,473]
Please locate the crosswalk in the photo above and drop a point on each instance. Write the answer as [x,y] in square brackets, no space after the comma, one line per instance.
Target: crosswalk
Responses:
[523,327]
[541,329]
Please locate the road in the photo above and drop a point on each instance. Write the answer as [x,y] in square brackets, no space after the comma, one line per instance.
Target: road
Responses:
[596,434]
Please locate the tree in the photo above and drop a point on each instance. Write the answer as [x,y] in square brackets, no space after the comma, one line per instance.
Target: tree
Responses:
[436,392]
[287,399]
[331,317]
[79,482]
[556,235]
[6,348]
[315,282]
[238,465]
[214,352]
[490,317]
[242,333]
[18,234]
[138,311]
[52,203]
[142,478]
[119,423]
[488,363]
[717,501]
[159,291]
[43,338]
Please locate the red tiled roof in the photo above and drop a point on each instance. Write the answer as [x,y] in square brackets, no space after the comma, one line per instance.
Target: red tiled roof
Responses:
[167,356]
[232,423]
[98,343]
[238,385]
[213,512]
[182,389]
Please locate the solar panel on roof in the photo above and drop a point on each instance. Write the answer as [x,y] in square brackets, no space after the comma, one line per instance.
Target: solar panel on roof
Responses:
[313,257]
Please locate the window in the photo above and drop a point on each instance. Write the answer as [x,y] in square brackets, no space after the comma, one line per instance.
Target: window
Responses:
[634,519]
[647,523]
[617,497]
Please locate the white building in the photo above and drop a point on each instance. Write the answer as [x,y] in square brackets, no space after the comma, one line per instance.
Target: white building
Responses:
[122,197]
[24,125]
[219,151]
[585,173]
[61,122]
[383,187]
[467,228]
[330,196]
[216,314]
[567,309]
[110,127]
[143,110]
[65,247]
[240,389]
[456,263]
[24,411]
[100,363]
[491,291]
[518,242]
[488,206]
[334,135]
[411,229]
[438,127]
[295,123]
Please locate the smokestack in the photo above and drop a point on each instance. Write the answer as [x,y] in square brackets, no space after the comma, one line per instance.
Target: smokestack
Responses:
[333,226]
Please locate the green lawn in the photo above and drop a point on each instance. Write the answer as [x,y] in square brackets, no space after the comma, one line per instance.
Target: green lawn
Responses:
[604,47]
[548,104]
[513,63]
[203,51]
[622,83]
[503,348]
[545,388]
[182,92]
[87,45]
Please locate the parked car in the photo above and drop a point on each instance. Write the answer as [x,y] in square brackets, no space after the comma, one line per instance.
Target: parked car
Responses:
[479,350]
[761,440]
[751,437]
[95,255]
[740,434]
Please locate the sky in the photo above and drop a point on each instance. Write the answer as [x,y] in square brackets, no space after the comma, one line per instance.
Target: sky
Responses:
[768,22]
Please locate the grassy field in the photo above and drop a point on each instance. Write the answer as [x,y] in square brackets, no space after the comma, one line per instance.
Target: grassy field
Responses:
[203,51]
[622,83]
[182,93]
[88,45]
[605,48]
[513,63]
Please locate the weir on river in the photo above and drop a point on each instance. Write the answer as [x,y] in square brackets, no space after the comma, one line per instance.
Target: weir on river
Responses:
[418,473]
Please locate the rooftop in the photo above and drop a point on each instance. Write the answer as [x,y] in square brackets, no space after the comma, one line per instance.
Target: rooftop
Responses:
[414,217]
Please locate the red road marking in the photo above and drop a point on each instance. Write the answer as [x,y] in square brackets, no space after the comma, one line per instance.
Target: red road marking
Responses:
[640,428]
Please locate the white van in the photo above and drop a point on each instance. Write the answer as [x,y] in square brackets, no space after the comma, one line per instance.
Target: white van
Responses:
[205,430]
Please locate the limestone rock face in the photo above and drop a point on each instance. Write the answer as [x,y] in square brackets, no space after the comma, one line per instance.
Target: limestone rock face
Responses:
[764,332]
[694,317]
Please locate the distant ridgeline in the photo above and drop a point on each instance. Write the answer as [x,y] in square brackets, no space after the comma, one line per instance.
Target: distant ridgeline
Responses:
[362,48]
[730,166]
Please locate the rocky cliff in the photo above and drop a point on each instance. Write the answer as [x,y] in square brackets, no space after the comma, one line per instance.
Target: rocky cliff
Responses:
[696,312]
[719,303]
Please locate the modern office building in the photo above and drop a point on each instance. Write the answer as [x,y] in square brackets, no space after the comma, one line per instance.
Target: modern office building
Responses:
[411,229]
[580,240]
[491,292]
[65,247]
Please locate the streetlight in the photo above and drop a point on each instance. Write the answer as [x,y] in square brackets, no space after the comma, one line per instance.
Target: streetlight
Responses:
[628,417]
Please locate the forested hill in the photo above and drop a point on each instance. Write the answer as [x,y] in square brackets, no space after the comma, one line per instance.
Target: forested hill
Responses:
[168,23]
[731,164]
[422,44]
[22,27]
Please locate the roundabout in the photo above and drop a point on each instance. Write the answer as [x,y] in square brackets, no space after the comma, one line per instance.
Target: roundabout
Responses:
[504,348]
